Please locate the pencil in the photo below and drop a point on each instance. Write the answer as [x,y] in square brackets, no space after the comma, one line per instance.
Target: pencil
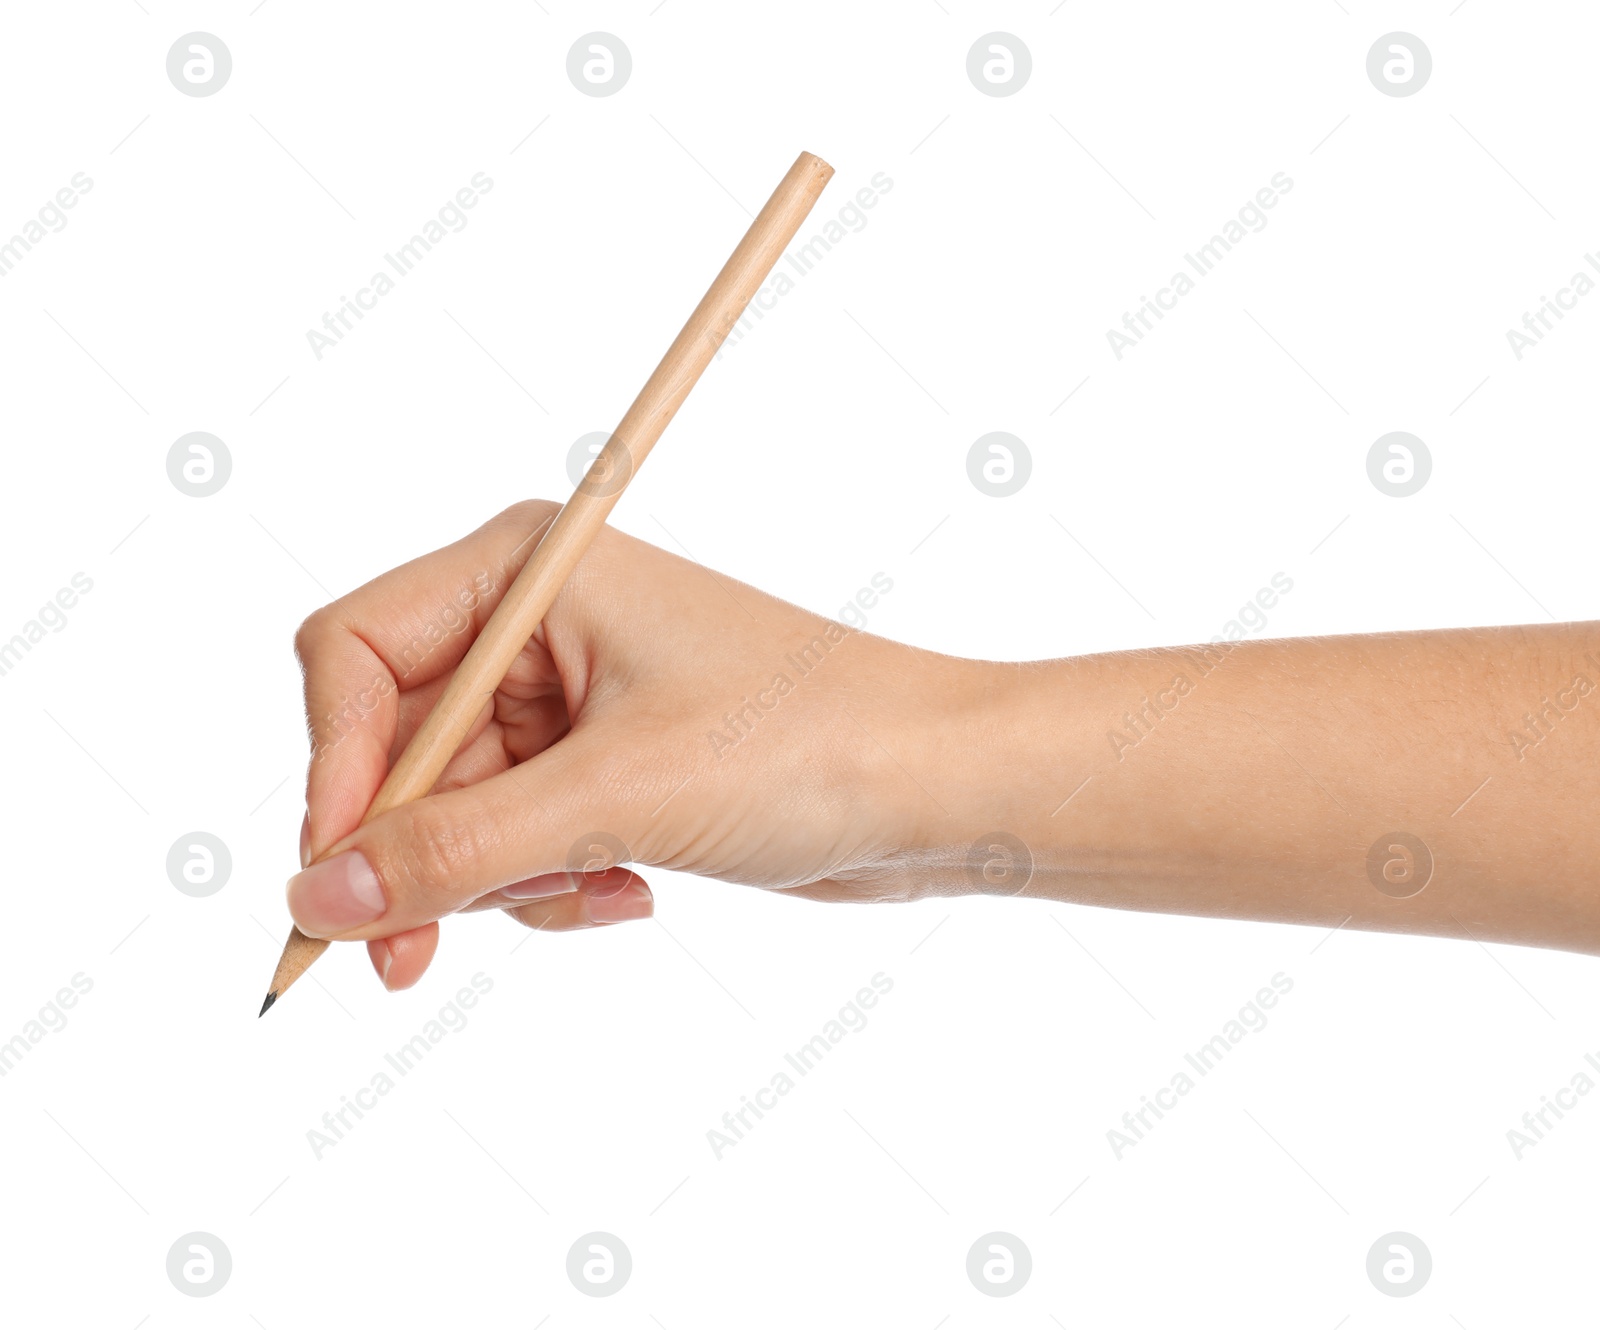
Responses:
[530,596]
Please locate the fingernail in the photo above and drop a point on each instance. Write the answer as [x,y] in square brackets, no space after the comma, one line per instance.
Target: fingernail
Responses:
[617,905]
[305,840]
[607,882]
[339,893]
[386,959]
[537,888]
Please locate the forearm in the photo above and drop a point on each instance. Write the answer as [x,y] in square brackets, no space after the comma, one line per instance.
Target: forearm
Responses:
[1254,781]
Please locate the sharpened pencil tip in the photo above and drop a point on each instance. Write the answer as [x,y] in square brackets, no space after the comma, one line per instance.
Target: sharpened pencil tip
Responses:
[271,998]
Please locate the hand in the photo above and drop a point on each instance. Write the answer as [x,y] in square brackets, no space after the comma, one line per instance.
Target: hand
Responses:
[665,715]
[661,715]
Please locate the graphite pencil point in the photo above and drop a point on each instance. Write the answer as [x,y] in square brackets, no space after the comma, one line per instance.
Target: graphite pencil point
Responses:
[271,998]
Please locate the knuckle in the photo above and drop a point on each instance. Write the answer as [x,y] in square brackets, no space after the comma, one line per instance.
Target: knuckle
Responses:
[525,515]
[311,633]
[433,850]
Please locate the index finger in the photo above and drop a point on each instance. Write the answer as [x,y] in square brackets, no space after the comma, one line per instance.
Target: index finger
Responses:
[400,631]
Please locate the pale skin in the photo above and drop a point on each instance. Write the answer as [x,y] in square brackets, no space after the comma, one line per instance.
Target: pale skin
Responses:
[1256,790]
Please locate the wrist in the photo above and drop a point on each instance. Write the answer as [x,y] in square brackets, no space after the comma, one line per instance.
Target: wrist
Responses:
[965,772]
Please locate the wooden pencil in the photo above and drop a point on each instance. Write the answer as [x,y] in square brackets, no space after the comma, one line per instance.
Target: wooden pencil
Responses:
[530,596]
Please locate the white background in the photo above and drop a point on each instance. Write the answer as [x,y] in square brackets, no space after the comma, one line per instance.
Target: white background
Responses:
[822,449]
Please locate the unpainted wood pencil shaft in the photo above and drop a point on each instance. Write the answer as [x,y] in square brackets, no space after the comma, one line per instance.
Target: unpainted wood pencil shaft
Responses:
[530,596]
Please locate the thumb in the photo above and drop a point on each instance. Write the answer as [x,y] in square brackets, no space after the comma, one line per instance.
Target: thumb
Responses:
[430,858]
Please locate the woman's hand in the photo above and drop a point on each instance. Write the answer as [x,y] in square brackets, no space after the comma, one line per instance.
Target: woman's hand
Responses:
[664,714]
[661,715]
